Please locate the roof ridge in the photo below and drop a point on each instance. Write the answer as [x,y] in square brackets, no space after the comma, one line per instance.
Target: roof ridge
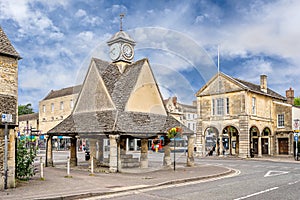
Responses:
[6,47]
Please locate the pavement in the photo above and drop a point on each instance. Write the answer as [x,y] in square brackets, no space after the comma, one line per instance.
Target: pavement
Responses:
[82,184]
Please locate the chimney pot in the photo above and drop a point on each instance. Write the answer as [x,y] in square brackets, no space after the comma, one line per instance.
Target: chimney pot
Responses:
[263,83]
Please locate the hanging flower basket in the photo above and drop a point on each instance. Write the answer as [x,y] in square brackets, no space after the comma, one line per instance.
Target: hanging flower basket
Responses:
[173,132]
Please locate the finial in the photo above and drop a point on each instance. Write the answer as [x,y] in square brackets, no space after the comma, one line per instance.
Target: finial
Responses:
[122,15]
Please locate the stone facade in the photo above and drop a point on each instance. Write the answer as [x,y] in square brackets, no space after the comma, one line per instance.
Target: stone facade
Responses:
[8,105]
[56,107]
[28,122]
[244,116]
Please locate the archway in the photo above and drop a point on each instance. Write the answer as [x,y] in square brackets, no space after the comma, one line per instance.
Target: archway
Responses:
[265,141]
[211,135]
[254,134]
[230,140]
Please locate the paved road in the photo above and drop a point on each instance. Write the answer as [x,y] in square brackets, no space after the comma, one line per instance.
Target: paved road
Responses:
[257,180]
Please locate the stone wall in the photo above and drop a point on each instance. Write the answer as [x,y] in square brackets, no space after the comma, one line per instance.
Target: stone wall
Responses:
[8,76]
[8,104]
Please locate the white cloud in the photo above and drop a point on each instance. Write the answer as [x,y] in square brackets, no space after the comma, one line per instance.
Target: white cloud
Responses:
[80,13]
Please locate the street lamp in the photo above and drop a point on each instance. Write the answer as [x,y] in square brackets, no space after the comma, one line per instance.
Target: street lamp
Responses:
[296,131]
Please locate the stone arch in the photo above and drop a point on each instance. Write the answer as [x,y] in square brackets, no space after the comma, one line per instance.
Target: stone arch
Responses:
[230,140]
[254,134]
[266,141]
[211,134]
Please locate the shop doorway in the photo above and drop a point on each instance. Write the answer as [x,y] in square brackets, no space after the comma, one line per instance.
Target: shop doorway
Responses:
[283,144]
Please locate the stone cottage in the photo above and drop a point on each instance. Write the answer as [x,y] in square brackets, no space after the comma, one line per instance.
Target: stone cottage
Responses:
[8,105]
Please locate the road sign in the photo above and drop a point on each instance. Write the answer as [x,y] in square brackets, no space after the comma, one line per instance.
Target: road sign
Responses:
[296,138]
[6,117]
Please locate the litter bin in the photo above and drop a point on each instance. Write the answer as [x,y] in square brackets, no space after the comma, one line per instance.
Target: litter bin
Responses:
[87,155]
[252,153]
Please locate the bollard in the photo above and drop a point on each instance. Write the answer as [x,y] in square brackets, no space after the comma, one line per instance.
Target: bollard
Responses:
[42,168]
[92,166]
[68,168]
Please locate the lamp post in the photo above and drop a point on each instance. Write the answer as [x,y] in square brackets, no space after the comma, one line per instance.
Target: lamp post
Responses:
[296,126]
[6,118]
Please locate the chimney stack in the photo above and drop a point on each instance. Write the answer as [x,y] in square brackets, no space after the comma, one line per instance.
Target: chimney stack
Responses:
[174,100]
[263,83]
[290,96]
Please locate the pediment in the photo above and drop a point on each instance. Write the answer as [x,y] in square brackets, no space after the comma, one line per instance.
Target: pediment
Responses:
[220,84]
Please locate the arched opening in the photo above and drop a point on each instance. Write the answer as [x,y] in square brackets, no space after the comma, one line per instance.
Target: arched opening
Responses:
[230,140]
[254,133]
[211,136]
[265,141]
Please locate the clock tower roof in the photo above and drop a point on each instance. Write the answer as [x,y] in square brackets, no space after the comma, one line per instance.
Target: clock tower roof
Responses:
[121,36]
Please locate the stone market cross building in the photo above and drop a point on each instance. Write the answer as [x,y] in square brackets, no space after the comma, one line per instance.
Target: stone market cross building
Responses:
[118,100]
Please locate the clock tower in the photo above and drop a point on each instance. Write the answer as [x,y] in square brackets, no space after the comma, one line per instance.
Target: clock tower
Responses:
[121,46]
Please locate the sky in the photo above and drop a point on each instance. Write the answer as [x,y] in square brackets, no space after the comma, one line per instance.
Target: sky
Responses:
[57,39]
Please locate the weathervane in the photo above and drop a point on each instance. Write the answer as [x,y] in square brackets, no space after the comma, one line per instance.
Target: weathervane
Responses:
[122,15]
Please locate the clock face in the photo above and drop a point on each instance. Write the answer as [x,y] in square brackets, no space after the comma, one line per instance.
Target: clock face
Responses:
[115,51]
[127,51]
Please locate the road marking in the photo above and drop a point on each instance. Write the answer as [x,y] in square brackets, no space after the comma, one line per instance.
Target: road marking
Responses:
[274,173]
[292,183]
[257,193]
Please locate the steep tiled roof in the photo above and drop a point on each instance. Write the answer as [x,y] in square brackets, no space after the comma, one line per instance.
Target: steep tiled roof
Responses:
[119,87]
[27,117]
[256,88]
[63,92]
[6,47]
[131,123]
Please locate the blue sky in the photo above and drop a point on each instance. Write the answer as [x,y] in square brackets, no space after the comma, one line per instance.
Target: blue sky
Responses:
[57,39]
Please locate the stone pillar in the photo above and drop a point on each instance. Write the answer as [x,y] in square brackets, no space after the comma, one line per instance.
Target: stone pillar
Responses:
[190,157]
[113,153]
[221,145]
[73,152]
[144,153]
[93,152]
[135,144]
[167,156]
[272,145]
[49,154]
[259,147]
[100,149]
[11,159]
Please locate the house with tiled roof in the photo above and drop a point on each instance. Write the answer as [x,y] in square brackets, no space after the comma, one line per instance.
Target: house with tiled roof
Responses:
[118,100]
[245,119]
[56,106]
[8,105]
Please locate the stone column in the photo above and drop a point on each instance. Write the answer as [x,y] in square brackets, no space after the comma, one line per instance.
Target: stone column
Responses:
[259,147]
[144,153]
[11,183]
[73,152]
[93,152]
[272,149]
[190,157]
[221,145]
[113,153]
[49,154]
[167,156]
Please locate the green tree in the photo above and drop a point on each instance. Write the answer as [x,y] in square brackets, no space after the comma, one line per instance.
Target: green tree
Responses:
[297,101]
[25,160]
[25,109]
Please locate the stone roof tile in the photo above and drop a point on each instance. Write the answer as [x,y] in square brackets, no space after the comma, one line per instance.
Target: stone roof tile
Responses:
[256,88]
[63,92]
[6,47]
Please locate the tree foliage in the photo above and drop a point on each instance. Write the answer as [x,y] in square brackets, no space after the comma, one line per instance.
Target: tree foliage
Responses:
[25,109]
[297,101]
[25,160]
